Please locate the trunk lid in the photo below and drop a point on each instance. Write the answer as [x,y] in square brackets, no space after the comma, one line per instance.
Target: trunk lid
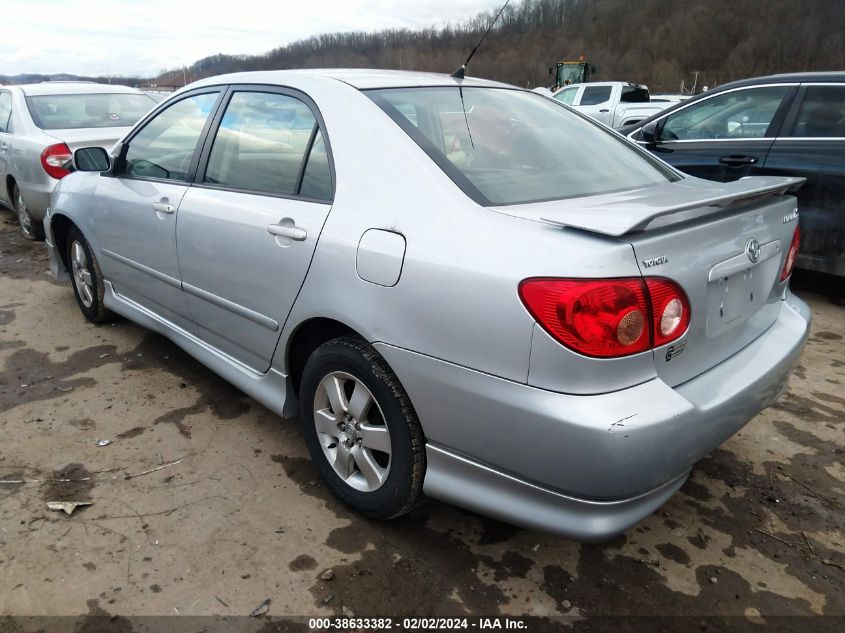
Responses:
[104,137]
[697,234]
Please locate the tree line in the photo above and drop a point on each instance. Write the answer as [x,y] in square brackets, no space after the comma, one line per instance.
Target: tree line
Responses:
[661,43]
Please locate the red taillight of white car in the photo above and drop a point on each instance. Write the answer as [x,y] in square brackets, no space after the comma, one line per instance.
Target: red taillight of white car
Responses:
[54,160]
[608,318]
[791,255]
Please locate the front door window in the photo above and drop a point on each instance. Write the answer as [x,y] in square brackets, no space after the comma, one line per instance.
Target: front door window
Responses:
[165,147]
[739,114]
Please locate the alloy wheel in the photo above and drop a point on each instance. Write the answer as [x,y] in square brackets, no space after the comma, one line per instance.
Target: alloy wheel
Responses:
[23,216]
[352,431]
[81,275]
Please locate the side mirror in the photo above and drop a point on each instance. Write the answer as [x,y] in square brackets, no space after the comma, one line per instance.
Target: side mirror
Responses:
[91,159]
[649,133]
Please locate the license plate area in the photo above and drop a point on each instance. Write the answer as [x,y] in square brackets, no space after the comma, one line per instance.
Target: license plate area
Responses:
[733,299]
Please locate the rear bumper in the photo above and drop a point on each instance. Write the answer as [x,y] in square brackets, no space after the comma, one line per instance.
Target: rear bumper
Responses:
[590,466]
[466,483]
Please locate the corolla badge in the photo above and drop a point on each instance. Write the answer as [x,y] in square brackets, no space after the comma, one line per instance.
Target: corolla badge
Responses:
[655,261]
[752,249]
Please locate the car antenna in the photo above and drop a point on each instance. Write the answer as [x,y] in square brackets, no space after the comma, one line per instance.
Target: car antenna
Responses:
[459,73]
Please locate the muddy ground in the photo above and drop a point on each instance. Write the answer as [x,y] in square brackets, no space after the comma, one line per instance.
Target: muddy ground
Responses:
[236,514]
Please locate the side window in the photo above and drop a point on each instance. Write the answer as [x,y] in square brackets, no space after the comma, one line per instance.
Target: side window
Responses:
[739,114]
[822,113]
[5,111]
[317,179]
[165,146]
[594,95]
[261,143]
[567,95]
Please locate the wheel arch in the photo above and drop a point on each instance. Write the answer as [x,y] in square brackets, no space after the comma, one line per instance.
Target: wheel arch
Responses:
[308,336]
[60,226]
[10,185]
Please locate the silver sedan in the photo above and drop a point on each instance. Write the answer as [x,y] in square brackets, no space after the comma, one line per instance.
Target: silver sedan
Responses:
[463,290]
[41,125]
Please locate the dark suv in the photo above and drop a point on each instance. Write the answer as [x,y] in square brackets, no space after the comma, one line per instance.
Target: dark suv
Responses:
[783,124]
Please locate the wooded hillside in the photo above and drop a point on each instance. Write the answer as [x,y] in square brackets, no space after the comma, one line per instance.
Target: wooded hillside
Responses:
[657,42]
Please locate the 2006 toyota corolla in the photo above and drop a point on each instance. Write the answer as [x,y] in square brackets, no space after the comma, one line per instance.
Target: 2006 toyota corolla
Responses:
[463,289]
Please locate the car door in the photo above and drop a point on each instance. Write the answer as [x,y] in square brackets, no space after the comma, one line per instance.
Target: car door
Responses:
[724,137]
[813,146]
[248,227]
[5,142]
[595,102]
[134,209]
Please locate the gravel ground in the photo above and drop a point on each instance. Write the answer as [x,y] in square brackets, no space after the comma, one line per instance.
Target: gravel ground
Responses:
[235,513]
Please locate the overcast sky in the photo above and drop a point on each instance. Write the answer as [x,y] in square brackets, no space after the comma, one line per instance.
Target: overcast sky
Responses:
[142,37]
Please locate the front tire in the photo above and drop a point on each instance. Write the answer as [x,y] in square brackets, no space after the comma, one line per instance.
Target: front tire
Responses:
[30,228]
[86,278]
[361,430]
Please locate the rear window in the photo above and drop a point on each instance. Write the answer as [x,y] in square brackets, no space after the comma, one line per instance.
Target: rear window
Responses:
[61,112]
[504,146]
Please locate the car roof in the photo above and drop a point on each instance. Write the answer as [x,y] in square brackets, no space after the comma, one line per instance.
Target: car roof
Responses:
[361,78]
[784,78]
[71,88]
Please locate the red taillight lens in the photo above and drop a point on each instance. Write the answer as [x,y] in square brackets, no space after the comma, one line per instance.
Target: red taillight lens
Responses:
[608,317]
[670,310]
[596,317]
[54,160]
[791,255]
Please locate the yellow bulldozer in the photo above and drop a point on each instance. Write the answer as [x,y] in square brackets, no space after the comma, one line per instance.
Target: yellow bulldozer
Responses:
[566,73]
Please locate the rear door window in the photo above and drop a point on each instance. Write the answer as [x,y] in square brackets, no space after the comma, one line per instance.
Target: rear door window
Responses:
[594,95]
[261,144]
[317,177]
[822,113]
[165,146]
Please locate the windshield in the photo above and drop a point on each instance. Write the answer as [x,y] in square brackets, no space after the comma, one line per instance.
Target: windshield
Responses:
[506,146]
[61,112]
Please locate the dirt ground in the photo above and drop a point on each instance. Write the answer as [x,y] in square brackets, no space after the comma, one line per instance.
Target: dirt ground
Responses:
[236,514]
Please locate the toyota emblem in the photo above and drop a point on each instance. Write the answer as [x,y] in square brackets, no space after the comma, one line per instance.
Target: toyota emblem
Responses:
[752,249]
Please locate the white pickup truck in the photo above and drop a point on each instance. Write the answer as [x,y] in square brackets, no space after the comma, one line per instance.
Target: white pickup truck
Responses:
[614,103]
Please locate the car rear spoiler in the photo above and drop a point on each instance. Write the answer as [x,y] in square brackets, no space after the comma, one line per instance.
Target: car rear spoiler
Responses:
[667,204]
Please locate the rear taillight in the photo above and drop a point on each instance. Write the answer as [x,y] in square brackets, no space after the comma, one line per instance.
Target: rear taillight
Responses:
[670,311]
[608,317]
[791,255]
[54,160]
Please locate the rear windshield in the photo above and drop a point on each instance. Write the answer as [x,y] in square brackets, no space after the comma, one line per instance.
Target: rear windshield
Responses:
[505,146]
[61,112]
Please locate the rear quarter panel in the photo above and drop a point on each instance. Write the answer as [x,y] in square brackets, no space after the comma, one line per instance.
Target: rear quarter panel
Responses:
[456,299]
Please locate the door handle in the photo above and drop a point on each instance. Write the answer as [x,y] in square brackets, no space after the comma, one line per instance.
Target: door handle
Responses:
[604,110]
[164,207]
[288,230]
[738,160]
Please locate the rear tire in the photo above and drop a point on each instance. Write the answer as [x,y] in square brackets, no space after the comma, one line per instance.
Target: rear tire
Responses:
[86,278]
[30,228]
[361,430]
